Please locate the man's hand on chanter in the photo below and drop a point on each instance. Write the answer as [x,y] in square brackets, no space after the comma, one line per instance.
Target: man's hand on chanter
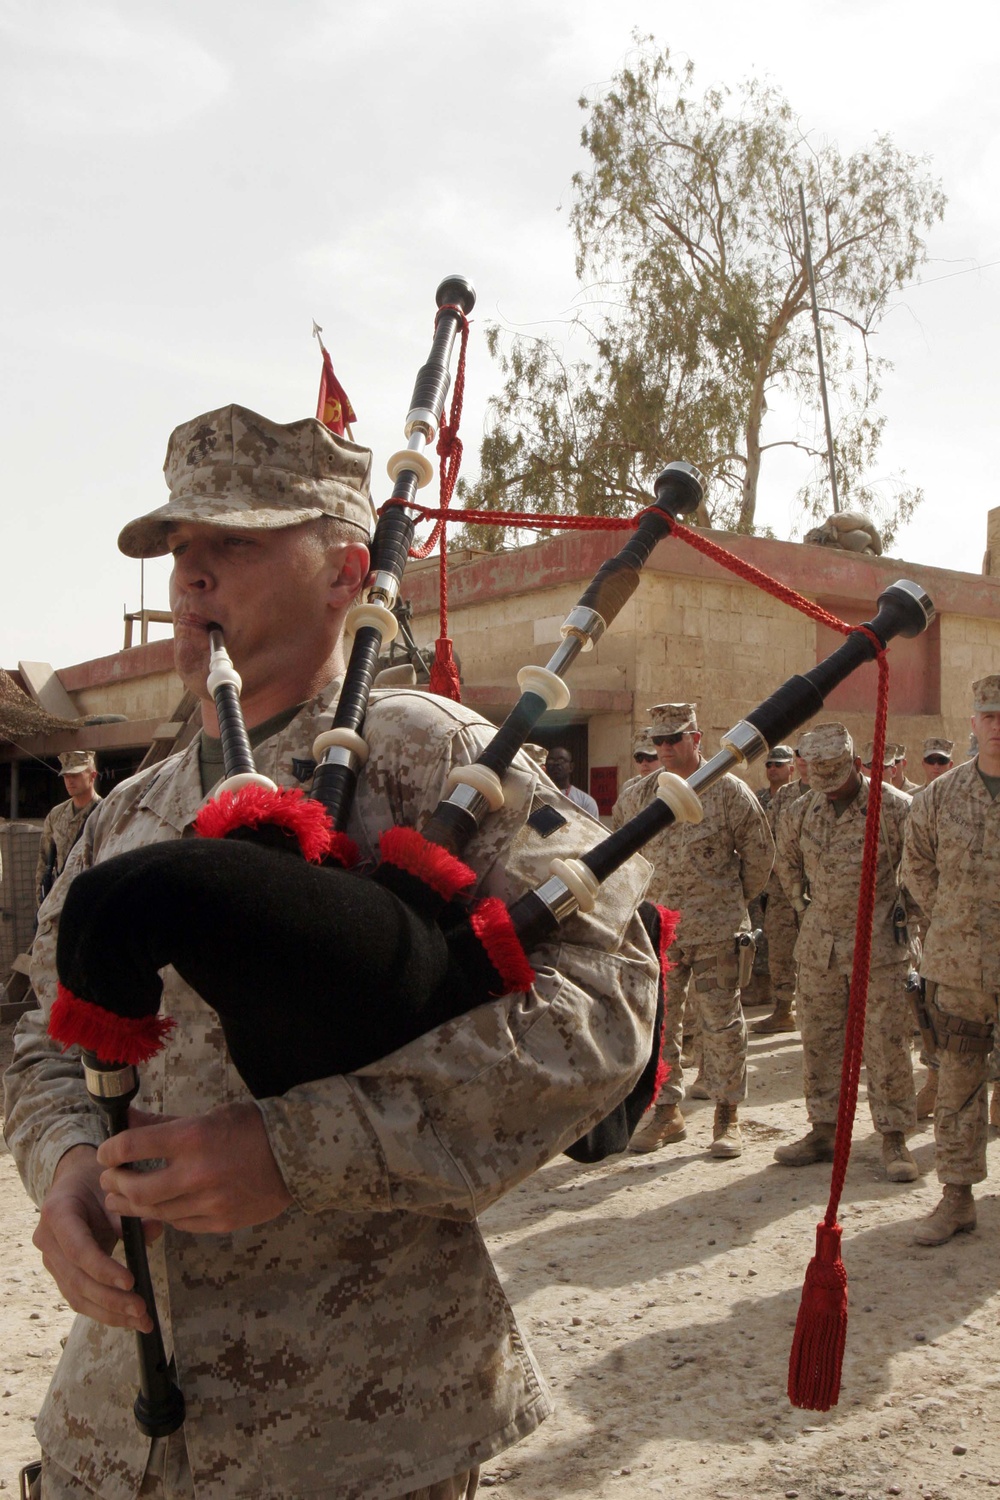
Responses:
[76,1234]
[217,1172]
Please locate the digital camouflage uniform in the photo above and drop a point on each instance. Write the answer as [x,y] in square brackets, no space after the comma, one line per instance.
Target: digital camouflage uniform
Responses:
[707,871]
[60,831]
[816,846]
[360,1344]
[781,927]
[951,868]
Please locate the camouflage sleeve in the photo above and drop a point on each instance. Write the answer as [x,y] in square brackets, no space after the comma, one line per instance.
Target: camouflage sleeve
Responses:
[46,844]
[446,1124]
[47,1108]
[918,871]
[751,839]
[788,864]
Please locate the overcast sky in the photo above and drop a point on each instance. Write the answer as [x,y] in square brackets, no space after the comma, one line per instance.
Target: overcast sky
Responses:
[187,185]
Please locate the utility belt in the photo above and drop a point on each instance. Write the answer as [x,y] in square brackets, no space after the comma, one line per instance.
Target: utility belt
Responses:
[941,1032]
[731,968]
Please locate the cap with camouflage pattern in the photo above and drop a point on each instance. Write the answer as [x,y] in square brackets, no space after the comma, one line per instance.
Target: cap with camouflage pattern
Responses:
[898,752]
[986,695]
[888,755]
[232,467]
[828,750]
[642,744]
[780,755]
[71,762]
[941,747]
[671,718]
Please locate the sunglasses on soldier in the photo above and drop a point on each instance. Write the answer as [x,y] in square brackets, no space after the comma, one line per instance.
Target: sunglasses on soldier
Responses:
[641,756]
[670,739]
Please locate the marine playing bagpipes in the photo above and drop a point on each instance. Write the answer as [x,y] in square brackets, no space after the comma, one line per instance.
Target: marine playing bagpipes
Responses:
[366,964]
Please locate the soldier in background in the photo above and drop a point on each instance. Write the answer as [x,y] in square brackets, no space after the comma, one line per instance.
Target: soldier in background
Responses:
[65,823]
[559,765]
[898,775]
[951,867]
[938,758]
[708,871]
[888,761]
[820,845]
[781,925]
[645,759]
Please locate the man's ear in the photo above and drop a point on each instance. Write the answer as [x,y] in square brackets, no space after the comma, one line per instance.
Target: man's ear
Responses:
[350,563]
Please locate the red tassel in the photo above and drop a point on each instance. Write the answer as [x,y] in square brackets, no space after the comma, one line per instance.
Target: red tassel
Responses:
[444,671]
[122,1039]
[490,921]
[408,850]
[821,1327]
[287,807]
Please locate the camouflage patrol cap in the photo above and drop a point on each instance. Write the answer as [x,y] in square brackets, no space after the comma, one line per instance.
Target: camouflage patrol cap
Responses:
[898,752]
[938,747]
[828,750]
[642,744]
[71,762]
[986,695]
[671,718]
[232,467]
[780,755]
[888,755]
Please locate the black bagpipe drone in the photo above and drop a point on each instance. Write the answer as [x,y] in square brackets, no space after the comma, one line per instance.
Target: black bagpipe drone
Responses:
[265,902]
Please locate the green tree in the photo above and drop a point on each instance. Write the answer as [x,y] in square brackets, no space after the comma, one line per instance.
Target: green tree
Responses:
[695,305]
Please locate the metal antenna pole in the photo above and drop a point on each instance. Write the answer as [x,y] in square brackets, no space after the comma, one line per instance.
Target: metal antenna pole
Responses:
[819,349]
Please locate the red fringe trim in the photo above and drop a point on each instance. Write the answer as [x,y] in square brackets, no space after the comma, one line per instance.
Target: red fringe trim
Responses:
[821,1327]
[669,922]
[342,851]
[408,850]
[79,1023]
[490,921]
[287,807]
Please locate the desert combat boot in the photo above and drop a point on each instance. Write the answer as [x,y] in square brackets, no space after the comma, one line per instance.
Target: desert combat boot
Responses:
[955,1214]
[659,1126]
[899,1164]
[816,1146]
[727,1138]
[780,1019]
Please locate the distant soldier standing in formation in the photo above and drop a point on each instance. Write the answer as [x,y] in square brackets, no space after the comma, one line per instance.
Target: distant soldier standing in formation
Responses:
[64,824]
[781,927]
[708,871]
[820,844]
[951,867]
[938,758]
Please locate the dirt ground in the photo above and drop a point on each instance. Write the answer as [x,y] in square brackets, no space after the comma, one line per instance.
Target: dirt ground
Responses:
[660,1292]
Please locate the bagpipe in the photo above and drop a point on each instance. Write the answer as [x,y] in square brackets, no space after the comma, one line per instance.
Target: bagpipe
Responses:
[266,901]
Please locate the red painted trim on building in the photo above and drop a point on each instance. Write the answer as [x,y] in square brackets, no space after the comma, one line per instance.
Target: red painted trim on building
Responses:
[810,570]
[137,661]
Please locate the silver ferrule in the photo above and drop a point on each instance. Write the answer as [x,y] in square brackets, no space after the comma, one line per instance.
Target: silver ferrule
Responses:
[558,898]
[711,771]
[384,588]
[585,623]
[917,592]
[745,741]
[110,1083]
[565,655]
[339,755]
[469,800]
[420,426]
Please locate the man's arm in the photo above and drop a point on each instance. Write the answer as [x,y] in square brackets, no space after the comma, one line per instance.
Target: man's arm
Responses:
[788,865]
[46,853]
[918,868]
[751,839]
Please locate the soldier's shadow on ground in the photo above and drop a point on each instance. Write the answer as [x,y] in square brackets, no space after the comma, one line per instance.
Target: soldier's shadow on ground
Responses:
[659,1383]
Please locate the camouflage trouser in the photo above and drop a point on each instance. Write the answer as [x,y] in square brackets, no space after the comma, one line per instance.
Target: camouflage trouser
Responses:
[169,1478]
[822,1001]
[723,1030]
[781,929]
[960,1118]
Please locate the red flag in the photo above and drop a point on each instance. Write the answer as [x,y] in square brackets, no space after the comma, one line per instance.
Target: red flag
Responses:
[333,409]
